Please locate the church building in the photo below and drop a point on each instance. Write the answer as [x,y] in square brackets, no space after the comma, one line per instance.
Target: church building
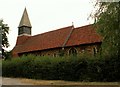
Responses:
[64,41]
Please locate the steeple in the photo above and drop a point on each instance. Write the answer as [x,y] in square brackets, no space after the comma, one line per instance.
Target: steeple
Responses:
[25,25]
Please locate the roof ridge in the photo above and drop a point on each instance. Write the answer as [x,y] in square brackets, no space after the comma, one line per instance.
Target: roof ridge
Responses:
[52,31]
[84,26]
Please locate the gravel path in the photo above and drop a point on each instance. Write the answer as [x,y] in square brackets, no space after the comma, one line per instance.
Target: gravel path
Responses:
[48,83]
[13,81]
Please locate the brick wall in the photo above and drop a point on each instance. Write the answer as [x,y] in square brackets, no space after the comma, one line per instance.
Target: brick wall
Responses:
[89,48]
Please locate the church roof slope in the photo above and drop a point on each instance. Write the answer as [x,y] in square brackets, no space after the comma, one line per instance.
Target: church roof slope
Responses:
[56,38]
[52,39]
[83,35]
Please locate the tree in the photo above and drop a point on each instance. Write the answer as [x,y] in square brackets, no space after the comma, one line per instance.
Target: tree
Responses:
[4,30]
[107,23]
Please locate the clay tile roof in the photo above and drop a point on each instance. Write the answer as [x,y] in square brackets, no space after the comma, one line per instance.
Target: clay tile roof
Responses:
[56,38]
[25,19]
[52,39]
[83,35]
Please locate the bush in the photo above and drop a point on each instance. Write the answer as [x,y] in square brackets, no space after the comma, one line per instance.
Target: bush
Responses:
[77,68]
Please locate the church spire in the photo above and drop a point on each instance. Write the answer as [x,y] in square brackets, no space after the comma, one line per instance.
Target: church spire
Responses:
[25,25]
[25,19]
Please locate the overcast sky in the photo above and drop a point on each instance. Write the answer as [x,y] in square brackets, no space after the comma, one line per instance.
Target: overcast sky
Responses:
[45,15]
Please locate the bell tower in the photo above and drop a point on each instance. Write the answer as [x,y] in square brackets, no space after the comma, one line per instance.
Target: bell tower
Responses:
[24,27]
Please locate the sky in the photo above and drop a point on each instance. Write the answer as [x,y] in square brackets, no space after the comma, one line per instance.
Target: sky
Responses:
[45,15]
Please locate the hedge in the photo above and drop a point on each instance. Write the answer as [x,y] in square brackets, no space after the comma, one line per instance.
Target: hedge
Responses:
[75,68]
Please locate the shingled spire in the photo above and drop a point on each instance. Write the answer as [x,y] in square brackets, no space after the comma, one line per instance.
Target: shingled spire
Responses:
[25,25]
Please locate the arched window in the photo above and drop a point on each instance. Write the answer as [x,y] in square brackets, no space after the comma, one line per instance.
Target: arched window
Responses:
[72,51]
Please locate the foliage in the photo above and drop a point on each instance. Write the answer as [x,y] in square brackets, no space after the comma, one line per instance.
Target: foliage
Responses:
[4,30]
[8,55]
[76,68]
[107,21]
[61,53]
